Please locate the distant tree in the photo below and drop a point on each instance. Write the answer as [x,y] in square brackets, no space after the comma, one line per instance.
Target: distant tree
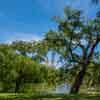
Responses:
[17,69]
[22,47]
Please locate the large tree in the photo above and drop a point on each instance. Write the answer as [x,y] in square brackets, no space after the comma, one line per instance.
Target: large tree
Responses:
[18,69]
[76,41]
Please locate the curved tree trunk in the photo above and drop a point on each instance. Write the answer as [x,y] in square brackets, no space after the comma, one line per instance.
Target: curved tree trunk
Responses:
[79,79]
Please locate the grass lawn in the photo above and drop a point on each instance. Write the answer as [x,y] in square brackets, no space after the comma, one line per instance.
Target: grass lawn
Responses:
[41,96]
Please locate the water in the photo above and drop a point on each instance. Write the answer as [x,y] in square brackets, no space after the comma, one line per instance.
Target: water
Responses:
[63,88]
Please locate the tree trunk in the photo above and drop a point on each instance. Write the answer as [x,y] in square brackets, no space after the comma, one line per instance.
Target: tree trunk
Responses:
[19,81]
[79,79]
[17,86]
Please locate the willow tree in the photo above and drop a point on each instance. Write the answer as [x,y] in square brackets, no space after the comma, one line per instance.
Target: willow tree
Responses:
[76,41]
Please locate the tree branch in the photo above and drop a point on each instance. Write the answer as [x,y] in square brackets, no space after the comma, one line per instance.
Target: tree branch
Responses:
[92,49]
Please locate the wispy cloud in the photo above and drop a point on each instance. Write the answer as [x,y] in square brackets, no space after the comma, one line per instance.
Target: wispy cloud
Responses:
[52,6]
[57,6]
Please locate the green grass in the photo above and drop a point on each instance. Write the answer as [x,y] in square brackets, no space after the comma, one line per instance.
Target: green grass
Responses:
[43,96]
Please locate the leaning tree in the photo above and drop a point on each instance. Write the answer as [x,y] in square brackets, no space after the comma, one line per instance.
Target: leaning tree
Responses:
[77,41]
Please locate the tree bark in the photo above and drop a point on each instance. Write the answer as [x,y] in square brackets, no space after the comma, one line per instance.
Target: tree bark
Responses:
[17,86]
[79,79]
[19,81]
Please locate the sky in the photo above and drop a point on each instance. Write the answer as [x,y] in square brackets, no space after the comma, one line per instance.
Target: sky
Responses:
[31,19]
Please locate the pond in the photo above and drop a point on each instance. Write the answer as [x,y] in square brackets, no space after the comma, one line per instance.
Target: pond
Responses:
[63,88]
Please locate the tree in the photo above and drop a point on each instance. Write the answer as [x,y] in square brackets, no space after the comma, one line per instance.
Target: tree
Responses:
[34,50]
[22,47]
[17,69]
[76,41]
[7,72]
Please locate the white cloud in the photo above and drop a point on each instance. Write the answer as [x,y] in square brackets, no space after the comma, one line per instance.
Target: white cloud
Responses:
[10,37]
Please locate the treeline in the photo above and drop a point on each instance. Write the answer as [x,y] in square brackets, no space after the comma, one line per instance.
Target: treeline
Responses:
[19,64]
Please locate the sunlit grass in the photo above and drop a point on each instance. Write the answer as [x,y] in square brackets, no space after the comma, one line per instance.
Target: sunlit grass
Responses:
[43,96]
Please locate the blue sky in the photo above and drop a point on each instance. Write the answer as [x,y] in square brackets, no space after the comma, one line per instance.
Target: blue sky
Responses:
[30,19]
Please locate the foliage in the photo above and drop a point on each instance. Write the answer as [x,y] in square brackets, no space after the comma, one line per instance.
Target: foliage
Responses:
[17,69]
[76,41]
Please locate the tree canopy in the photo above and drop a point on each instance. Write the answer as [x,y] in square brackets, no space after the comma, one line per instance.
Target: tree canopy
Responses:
[77,40]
